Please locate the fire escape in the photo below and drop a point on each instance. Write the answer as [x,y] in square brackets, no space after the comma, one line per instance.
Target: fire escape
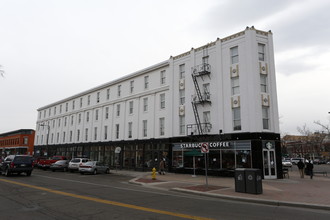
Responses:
[201,98]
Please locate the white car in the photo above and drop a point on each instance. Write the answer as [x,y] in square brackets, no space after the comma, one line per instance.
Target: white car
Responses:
[94,167]
[75,162]
[286,163]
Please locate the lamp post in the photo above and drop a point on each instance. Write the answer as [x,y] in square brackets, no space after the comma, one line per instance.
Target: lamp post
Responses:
[48,127]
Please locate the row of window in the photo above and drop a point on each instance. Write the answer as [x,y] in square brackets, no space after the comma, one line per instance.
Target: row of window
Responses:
[235,58]
[80,138]
[98,96]
[13,141]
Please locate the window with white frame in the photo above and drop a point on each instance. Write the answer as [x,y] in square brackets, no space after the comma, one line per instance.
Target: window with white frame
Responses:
[57,137]
[182,97]
[234,55]
[131,107]
[237,119]
[66,107]
[162,77]
[59,122]
[88,100]
[145,128]
[146,82]
[96,115]
[72,119]
[145,104]
[206,117]
[65,121]
[265,117]
[162,101]
[55,110]
[106,112]
[182,71]
[182,125]
[108,94]
[131,83]
[81,102]
[162,126]
[117,131]
[78,135]
[73,104]
[261,52]
[119,90]
[263,82]
[52,138]
[86,134]
[97,97]
[235,86]
[70,139]
[206,89]
[105,132]
[118,110]
[64,137]
[87,117]
[79,118]
[95,133]
[130,126]
[49,112]
[60,109]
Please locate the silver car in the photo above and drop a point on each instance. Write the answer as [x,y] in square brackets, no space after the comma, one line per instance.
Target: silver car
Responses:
[94,167]
[76,162]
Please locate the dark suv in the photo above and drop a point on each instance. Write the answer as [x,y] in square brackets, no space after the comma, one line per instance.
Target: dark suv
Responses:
[17,164]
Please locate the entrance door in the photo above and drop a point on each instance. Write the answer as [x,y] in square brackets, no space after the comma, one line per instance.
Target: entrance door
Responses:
[269,164]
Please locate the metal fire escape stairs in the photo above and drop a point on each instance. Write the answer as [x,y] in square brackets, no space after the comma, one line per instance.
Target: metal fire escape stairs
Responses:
[199,72]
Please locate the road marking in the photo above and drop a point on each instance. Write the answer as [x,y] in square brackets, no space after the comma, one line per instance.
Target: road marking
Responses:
[141,208]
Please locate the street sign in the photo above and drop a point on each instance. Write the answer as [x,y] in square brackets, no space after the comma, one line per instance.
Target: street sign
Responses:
[205,148]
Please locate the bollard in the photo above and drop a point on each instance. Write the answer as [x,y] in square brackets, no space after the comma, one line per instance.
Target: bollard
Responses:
[153,174]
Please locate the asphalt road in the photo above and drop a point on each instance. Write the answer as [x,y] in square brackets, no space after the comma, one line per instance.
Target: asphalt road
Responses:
[59,195]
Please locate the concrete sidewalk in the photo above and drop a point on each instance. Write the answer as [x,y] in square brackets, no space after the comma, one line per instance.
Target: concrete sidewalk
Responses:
[293,191]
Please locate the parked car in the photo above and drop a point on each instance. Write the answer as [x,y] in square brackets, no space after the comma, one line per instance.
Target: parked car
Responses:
[75,162]
[286,163]
[17,164]
[45,163]
[60,165]
[295,161]
[94,167]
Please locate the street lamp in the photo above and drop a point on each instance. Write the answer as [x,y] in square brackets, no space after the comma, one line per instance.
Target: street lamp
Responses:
[48,128]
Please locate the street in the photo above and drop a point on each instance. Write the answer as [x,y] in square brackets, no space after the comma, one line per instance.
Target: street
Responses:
[63,195]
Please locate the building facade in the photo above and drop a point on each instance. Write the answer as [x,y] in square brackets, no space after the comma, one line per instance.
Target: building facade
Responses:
[17,142]
[221,96]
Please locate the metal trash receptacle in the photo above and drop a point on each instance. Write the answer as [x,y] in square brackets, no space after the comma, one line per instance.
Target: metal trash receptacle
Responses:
[253,181]
[240,180]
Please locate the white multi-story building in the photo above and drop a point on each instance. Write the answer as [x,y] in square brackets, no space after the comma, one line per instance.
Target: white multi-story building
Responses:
[221,96]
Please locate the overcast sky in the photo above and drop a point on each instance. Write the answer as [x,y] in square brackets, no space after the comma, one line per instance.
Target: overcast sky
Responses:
[53,49]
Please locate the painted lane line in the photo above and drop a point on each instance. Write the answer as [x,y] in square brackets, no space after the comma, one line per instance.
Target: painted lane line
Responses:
[141,208]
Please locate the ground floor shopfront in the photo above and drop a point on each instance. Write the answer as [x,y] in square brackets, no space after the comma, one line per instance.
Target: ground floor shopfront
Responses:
[225,153]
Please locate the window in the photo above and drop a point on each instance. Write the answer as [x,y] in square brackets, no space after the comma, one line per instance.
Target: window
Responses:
[131,107]
[108,94]
[95,133]
[206,89]
[45,114]
[265,117]
[73,104]
[81,102]
[66,107]
[118,110]
[64,137]
[182,97]
[86,134]
[119,90]
[57,137]
[59,122]
[145,104]
[98,97]
[52,138]
[65,121]
[182,125]
[235,85]
[49,110]
[234,55]
[55,110]
[206,117]
[88,100]
[163,77]
[146,82]
[131,86]
[162,126]
[72,120]
[54,123]
[130,125]
[105,132]
[205,60]
[263,83]
[87,117]
[79,118]
[162,101]
[237,119]
[145,128]
[60,109]
[117,131]
[70,139]
[96,114]
[78,135]
[182,71]
[107,113]
[26,140]
[261,52]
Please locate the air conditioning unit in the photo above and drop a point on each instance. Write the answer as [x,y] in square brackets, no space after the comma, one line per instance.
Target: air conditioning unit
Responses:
[234,71]
[181,84]
[181,110]
[263,67]
[265,99]
[235,102]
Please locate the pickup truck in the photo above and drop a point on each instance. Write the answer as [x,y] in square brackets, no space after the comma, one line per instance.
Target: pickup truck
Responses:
[45,163]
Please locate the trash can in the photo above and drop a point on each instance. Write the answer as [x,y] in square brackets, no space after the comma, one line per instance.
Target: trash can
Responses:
[240,180]
[253,181]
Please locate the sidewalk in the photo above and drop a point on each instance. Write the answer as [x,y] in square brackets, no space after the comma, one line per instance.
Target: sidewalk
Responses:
[293,191]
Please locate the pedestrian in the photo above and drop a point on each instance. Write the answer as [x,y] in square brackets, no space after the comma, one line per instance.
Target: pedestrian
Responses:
[301,167]
[310,168]
[162,167]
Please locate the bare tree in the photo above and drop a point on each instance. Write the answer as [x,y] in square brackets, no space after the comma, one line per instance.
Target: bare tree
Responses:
[323,126]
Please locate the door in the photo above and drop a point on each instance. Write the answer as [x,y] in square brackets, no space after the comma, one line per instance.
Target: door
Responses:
[269,164]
